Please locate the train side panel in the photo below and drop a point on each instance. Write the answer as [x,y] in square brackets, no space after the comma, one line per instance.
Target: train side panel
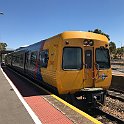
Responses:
[50,72]
[32,64]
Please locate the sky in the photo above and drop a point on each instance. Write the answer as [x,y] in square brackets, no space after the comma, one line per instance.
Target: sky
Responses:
[28,21]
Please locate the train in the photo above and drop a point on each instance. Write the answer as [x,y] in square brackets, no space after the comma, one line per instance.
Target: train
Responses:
[74,63]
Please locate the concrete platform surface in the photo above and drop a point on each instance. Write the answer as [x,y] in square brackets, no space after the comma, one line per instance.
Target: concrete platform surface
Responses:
[12,110]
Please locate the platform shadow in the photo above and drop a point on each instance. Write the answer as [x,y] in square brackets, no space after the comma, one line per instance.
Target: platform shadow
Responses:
[25,88]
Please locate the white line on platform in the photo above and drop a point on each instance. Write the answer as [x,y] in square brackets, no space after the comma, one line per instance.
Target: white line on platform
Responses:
[30,111]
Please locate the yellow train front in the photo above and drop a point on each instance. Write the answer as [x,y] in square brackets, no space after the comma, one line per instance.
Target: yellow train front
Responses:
[74,63]
[78,64]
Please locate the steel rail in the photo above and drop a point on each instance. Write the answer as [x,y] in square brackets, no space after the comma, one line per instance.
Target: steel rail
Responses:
[109,116]
[116,90]
[114,96]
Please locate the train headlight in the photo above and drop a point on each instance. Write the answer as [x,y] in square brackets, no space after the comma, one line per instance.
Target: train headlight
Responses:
[66,42]
[91,42]
[85,42]
[88,42]
[106,45]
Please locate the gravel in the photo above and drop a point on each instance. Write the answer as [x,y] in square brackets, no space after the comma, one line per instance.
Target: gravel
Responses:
[114,107]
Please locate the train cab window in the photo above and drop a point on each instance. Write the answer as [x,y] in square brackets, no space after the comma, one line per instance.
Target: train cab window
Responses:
[44,57]
[72,58]
[33,58]
[102,58]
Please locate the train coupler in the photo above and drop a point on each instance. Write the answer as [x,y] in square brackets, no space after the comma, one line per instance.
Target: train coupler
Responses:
[94,96]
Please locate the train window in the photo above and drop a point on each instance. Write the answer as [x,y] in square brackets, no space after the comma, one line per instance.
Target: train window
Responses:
[72,58]
[33,58]
[13,59]
[88,58]
[17,59]
[44,57]
[27,57]
[21,60]
[102,58]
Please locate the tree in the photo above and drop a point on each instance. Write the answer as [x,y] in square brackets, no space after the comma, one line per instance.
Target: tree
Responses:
[112,47]
[98,31]
[3,46]
[120,51]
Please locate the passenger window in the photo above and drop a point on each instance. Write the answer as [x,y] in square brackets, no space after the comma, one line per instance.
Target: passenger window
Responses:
[44,57]
[27,57]
[33,58]
[21,60]
[13,59]
[17,59]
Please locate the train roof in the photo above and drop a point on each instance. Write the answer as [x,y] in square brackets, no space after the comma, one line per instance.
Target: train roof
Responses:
[84,35]
[69,35]
[34,46]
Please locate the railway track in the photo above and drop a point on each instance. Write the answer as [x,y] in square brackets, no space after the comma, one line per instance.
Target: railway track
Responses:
[106,117]
[117,90]
[115,94]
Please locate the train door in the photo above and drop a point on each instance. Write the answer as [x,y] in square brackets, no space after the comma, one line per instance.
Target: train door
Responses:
[88,66]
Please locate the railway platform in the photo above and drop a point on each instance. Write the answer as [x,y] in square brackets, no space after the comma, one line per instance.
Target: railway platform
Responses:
[117,80]
[117,73]
[12,110]
[18,107]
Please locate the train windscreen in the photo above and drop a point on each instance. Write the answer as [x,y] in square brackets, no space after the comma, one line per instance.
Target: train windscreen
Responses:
[72,58]
[102,58]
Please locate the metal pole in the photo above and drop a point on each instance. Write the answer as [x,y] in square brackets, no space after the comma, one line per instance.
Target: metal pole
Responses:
[121,44]
[1,13]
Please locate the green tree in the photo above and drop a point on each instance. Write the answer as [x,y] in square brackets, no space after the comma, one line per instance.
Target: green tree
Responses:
[112,47]
[98,31]
[3,46]
[120,51]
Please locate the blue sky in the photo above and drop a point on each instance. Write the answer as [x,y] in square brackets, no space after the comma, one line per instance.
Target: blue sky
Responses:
[28,21]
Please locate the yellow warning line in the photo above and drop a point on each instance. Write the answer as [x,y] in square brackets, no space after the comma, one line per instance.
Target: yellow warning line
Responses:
[77,110]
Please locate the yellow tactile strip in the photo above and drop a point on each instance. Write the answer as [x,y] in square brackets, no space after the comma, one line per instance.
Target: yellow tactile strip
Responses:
[73,113]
